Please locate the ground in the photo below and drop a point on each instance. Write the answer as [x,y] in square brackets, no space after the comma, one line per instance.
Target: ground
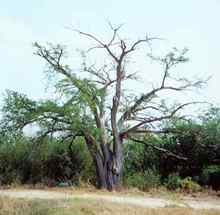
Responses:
[84,202]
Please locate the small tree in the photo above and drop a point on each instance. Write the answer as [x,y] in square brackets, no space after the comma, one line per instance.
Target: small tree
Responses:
[98,108]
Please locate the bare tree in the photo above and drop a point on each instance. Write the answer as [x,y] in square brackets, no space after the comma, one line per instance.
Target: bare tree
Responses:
[95,108]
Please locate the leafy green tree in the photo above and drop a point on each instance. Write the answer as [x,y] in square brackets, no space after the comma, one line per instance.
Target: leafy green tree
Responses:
[97,106]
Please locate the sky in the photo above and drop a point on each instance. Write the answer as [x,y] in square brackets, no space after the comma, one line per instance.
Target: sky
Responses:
[191,23]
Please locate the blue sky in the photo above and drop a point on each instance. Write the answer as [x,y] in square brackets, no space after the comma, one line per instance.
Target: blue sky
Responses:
[190,23]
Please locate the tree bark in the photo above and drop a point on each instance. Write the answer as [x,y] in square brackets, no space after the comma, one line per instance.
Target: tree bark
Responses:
[108,163]
[108,176]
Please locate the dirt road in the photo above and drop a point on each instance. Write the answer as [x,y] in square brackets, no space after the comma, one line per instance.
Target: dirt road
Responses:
[196,203]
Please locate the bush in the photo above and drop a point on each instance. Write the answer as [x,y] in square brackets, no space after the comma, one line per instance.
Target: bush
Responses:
[143,181]
[49,162]
[173,182]
[140,158]
[13,159]
[211,176]
[189,186]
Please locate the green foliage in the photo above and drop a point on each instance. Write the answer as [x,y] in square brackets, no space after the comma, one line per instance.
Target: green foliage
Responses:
[25,161]
[188,185]
[13,158]
[48,115]
[198,141]
[211,169]
[135,180]
[141,166]
[173,182]
[140,157]
[48,162]
[143,181]
[207,172]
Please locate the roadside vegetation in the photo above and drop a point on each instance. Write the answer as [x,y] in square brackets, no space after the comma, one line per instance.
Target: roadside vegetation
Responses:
[50,162]
[10,206]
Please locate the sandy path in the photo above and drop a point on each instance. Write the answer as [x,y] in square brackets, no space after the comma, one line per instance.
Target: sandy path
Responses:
[139,201]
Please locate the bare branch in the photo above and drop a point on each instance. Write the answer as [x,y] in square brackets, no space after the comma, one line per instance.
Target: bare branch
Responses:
[162,150]
[138,42]
[101,44]
[148,96]
[156,119]
[115,30]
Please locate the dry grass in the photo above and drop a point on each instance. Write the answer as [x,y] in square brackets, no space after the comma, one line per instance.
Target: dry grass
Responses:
[160,192]
[10,206]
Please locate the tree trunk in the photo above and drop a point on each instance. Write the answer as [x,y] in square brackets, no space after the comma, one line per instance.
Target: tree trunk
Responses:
[107,175]
[108,163]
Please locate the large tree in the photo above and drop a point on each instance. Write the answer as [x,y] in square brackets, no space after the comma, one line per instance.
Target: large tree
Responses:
[95,105]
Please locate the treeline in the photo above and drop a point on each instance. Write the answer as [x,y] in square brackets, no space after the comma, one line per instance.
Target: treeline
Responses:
[186,156]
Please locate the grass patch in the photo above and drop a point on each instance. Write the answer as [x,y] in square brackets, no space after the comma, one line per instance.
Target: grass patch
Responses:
[18,207]
[9,206]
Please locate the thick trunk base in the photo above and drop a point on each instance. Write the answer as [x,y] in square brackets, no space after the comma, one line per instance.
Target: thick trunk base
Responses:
[107,177]
[108,164]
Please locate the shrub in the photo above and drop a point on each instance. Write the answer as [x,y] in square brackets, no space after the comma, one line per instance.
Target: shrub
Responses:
[188,185]
[211,176]
[143,181]
[140,158]
[152,178]
[173,182]
[48,162]
[135,180]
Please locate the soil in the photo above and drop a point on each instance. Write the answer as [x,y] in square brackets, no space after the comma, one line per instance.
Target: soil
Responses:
[149,202]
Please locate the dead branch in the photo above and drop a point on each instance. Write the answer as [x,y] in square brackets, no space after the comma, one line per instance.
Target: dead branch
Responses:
[156,119]
[162,150]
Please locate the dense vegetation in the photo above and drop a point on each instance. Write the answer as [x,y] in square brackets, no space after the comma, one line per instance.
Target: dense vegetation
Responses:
[196,141]
[53,162]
